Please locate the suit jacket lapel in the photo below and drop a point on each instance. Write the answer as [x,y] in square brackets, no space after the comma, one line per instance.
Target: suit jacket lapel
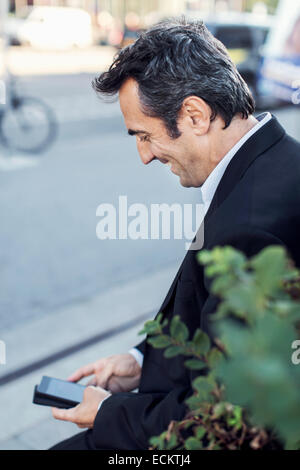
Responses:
[258,143]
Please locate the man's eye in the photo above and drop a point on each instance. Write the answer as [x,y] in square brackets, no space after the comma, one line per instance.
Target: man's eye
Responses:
[144,138]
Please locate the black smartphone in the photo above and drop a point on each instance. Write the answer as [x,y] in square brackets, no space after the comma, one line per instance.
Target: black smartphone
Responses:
[58,393]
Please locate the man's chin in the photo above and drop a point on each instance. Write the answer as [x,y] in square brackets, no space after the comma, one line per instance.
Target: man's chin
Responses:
[186,183]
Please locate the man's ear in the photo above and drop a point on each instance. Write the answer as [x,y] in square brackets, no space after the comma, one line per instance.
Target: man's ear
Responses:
[196,113]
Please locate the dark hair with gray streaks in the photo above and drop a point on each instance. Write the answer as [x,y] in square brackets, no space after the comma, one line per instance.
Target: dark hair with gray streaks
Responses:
[175,59]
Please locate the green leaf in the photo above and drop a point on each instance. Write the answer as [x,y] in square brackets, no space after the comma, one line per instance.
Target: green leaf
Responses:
[201,342]
[178,329]
[150,328]
[200,432]
[192,443]
[204,257]
[236,418]
[203,387]
[195,364]
[194,402]
[243,298]
[221,284]
[221,260]
[159,317]
[161,341]
[154,326]
[172,442]
[214,357]
[270,265]
[158,441]
[173,351]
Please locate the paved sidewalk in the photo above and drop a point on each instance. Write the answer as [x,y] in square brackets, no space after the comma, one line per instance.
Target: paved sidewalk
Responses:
[27,426]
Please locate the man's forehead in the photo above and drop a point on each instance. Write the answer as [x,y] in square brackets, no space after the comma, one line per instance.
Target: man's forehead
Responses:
[128,92]
[135,119]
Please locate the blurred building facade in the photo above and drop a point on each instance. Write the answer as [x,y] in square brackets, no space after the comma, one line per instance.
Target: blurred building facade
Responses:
[119,8]
[116,7]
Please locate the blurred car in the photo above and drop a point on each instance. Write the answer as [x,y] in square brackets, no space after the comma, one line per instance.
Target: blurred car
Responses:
[56,28]
[279,74]
[244,42]
[244,35]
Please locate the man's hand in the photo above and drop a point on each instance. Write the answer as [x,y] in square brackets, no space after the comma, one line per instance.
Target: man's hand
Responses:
[117,373]
[85,413]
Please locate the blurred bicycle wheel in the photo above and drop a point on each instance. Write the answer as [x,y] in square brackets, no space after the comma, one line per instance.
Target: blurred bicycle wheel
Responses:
[27,125]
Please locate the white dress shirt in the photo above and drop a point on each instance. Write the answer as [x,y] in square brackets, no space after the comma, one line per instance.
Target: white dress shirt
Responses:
[209,187]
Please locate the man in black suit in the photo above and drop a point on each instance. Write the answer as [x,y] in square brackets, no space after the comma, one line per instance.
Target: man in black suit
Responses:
[185,102]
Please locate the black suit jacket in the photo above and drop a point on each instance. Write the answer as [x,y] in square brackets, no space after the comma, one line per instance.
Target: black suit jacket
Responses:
[257,203]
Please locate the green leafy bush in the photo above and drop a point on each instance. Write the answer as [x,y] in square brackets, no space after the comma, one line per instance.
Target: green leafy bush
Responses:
[247,394]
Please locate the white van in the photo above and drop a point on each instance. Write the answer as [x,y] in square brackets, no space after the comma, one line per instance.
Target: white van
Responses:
[56,28]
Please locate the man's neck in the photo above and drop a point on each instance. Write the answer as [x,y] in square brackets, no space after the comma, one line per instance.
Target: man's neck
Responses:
[230,136]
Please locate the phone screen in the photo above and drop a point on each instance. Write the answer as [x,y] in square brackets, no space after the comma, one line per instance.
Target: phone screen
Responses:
[62,389]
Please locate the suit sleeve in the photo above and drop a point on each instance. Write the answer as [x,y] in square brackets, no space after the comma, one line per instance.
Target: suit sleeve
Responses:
[141,346]
[128,420]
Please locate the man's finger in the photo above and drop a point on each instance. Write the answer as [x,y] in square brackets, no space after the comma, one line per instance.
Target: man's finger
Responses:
[93,381]
[103,378]
[64,414]
[82,372]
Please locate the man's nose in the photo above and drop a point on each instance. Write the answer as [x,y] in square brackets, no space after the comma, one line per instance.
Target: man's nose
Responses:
[145,153]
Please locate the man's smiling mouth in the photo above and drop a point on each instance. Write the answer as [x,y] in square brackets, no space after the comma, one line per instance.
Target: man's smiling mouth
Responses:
[168,163]
[163,160]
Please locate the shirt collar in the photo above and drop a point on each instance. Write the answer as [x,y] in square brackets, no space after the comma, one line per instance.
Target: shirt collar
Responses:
[210,185]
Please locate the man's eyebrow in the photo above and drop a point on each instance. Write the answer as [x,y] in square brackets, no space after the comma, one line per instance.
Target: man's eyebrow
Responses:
[132,132]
